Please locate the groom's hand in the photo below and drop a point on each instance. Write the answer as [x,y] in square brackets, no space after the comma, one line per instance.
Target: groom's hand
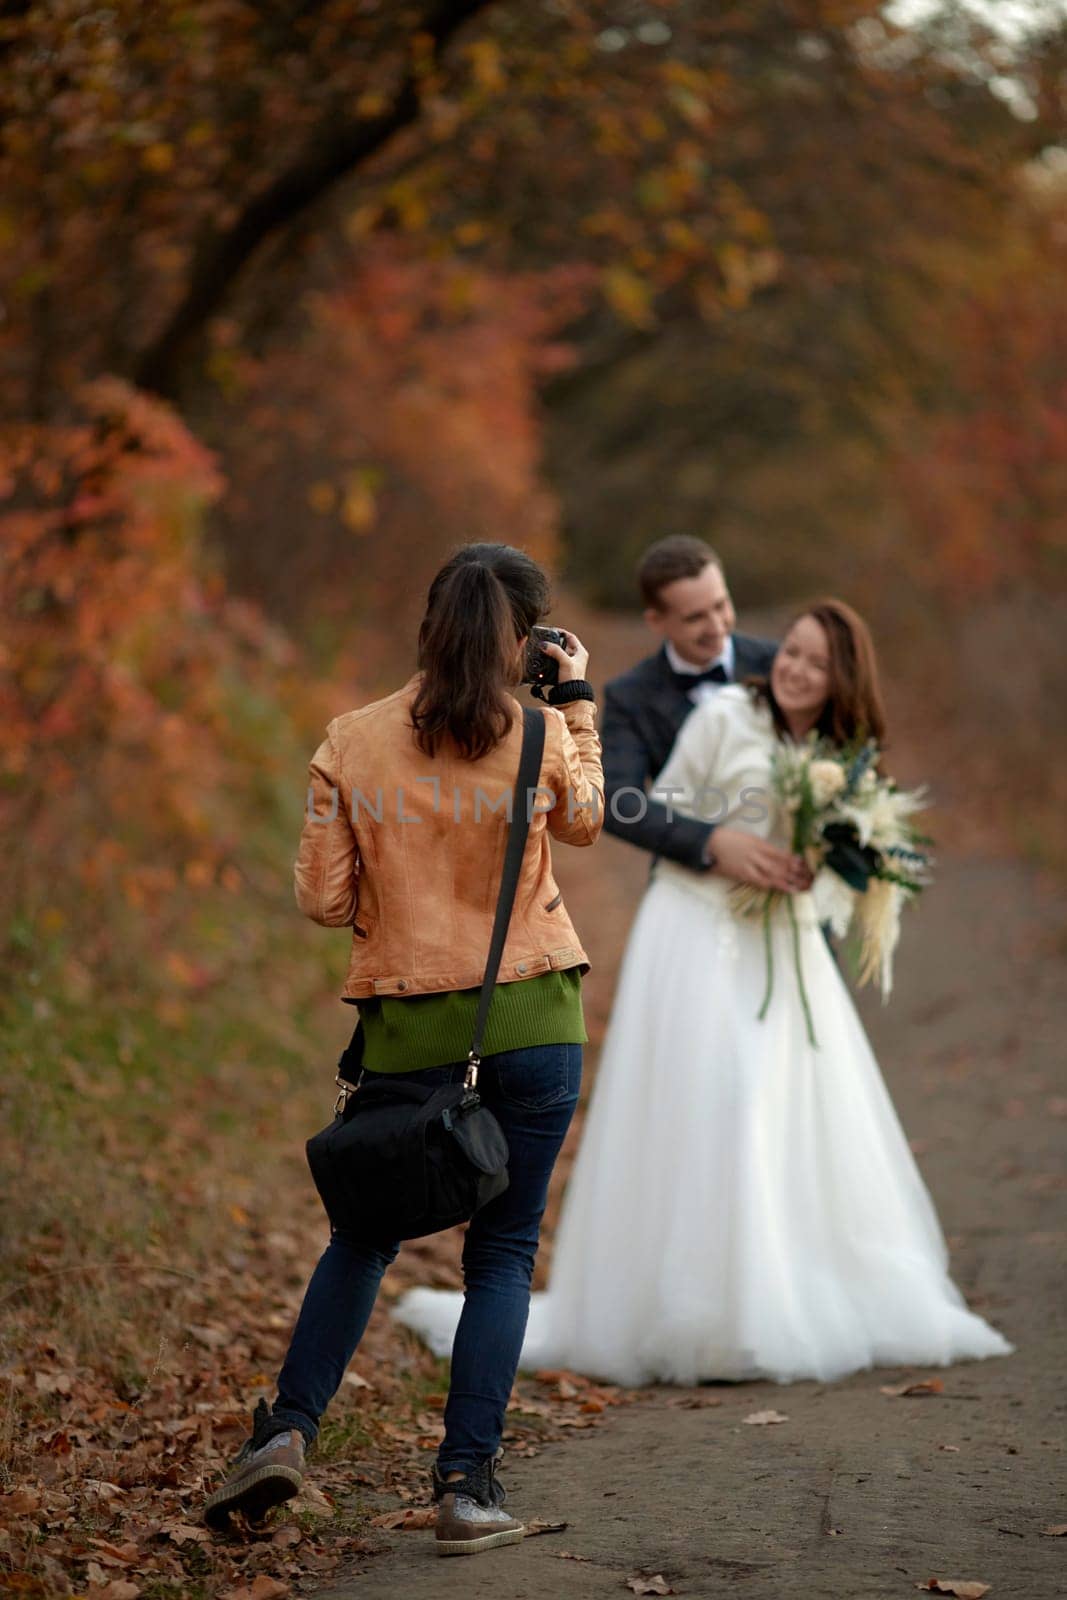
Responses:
[745,858]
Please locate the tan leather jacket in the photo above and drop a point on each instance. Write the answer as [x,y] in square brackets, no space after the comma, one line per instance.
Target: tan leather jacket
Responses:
[407,849]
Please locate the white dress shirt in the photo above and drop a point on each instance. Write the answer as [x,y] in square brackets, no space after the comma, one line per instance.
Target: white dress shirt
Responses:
[707,690]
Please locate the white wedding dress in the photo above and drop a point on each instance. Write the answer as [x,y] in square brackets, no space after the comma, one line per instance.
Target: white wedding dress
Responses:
[743,1204]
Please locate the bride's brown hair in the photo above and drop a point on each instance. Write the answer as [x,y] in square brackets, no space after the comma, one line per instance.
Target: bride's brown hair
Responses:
[854,708]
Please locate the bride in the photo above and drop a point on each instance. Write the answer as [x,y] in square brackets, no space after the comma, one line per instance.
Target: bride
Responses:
[744,1203]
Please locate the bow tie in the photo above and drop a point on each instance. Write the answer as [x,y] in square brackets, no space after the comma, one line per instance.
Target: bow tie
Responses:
[689,680]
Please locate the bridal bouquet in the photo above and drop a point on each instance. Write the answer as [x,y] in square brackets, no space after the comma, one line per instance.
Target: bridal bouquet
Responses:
[855,830]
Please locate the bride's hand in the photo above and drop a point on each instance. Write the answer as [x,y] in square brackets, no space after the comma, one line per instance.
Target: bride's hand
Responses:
[745,858]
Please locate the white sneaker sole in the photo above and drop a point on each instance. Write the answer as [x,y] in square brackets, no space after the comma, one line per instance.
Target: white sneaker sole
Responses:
[485,1541]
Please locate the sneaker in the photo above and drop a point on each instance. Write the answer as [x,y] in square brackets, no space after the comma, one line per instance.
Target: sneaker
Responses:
[267,1471]
[469,1512]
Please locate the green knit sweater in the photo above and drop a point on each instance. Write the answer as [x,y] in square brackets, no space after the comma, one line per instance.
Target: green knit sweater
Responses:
[431,1030]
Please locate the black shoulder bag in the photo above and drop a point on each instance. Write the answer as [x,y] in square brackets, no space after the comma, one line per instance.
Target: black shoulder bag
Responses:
[400,1160]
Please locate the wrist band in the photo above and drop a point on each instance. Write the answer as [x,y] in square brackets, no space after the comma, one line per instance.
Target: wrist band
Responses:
[562,694]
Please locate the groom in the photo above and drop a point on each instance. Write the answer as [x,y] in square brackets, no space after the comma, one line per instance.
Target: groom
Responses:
[688,606]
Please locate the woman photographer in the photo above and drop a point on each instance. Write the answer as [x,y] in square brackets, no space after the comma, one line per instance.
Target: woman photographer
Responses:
[404,842]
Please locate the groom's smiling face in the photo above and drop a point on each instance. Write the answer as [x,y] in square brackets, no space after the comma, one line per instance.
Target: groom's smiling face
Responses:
[696,615]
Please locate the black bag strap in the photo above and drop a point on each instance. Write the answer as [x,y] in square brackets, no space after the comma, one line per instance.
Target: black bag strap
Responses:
[350,1066]
[533,744]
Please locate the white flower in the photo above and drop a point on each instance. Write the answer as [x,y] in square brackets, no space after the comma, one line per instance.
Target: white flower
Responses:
[882,816]
[835,901]
[827,781]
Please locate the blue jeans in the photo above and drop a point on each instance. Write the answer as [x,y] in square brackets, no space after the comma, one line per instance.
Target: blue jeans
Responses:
[533,1093]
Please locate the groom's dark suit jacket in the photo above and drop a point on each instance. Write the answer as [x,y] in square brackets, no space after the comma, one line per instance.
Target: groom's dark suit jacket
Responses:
[643,711]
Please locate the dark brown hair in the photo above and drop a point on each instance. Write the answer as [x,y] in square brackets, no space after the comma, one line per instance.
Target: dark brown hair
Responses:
[678,556]
[854,710]
[481,603]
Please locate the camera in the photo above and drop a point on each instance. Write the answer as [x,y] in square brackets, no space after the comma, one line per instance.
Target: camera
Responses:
[540,669]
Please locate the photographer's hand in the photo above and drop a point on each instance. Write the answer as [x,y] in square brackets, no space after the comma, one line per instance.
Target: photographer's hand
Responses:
[573,661]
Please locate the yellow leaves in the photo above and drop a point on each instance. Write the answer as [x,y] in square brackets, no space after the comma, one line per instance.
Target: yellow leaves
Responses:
[682,236]
[690,106]
[52,920]
[460,293]
[745,271]
[359,507]
[322,497]
[612,136]
[671,188]
[610,223]
[225,369]
[355,501]
[486,65]
[410,205]
[158,157]
[629,296]
[372,103]
[363,220]
[470,233]
[692,92]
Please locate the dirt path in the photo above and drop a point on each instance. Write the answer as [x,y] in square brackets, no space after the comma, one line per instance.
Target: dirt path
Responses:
[952,1485]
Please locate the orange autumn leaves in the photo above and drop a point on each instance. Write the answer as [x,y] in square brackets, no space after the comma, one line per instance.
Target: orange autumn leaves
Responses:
[120,650]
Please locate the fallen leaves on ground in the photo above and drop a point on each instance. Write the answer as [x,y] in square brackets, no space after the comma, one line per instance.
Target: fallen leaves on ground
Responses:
[263,1588]
[538,1526]
[107,1474]
[962,1588]
[760,1419]
[921,1386]
[410,1517]
[1055,1531]
[640,1584]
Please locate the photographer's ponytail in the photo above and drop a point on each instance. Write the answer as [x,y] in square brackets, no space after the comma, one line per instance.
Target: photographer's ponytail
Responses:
[480,605]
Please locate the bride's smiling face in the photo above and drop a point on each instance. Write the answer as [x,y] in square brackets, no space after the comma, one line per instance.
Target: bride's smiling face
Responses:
[800,676]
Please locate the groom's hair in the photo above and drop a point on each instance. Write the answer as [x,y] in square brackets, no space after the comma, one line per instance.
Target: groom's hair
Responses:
[678,556]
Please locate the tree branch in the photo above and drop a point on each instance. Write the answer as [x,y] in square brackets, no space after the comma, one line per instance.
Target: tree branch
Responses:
[335,151]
